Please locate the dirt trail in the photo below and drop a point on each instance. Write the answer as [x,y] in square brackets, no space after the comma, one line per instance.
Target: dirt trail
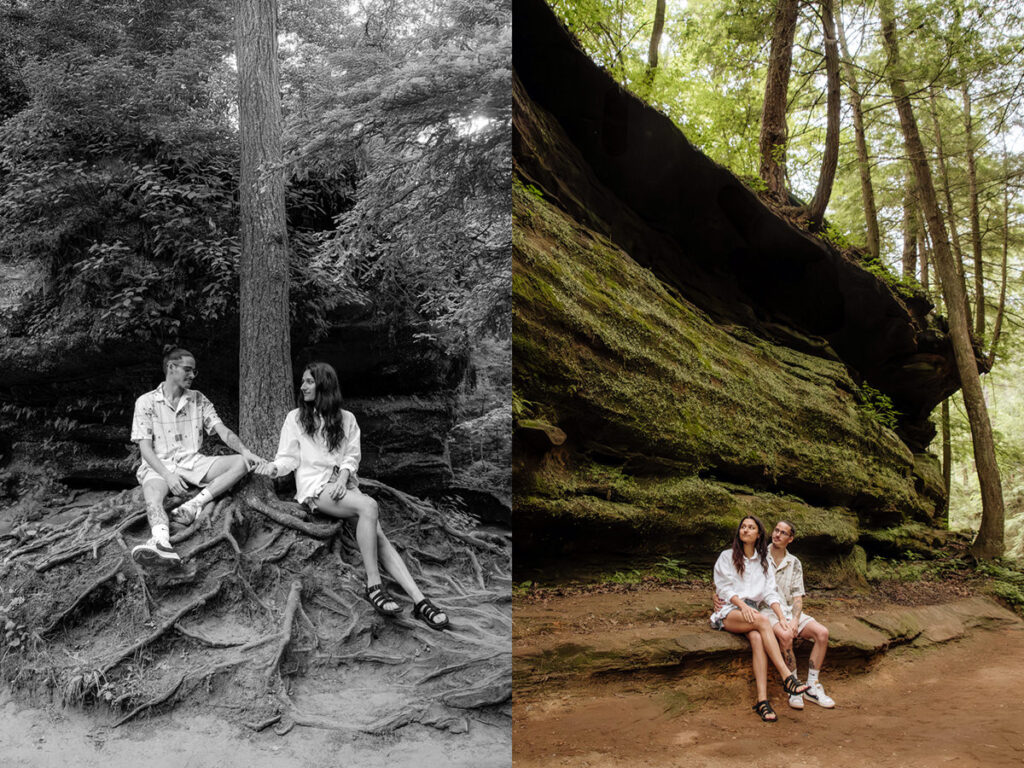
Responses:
[32,737]
[961,704]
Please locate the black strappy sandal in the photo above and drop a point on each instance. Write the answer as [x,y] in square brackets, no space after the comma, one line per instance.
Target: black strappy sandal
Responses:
[764,709]
[379,598]
[427,612]
[793,686]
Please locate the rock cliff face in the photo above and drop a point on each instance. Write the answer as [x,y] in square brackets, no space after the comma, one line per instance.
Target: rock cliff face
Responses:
[684,356]
[66,404]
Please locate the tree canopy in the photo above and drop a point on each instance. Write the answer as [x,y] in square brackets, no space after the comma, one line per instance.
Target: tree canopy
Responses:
[119,163]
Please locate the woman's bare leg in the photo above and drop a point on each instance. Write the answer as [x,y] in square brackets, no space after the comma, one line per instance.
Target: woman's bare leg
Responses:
[357,504]
[760,664]
[395,565]
[373,542]
[735,623]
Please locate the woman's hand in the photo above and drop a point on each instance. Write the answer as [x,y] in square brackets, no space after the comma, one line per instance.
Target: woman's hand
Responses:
[337,490]
[749,614]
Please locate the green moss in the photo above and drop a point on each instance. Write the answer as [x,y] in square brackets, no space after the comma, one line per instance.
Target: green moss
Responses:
[906,286]
[915,539]
[1006,582]
[598,339]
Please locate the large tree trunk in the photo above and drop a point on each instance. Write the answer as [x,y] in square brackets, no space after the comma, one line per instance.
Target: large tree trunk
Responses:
[909,259]
[972,183]
[816,210]
[772,144]
[652,51]
[989,542]
[948,195]
[265,369]
[867,191]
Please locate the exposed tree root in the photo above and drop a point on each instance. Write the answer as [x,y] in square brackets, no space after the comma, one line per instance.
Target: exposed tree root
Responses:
[103,579]
[266,613]
[152,702]
[286,627]
[163,627]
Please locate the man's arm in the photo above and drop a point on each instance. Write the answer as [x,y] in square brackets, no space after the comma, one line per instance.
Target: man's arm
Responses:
[232,441]
[798,606]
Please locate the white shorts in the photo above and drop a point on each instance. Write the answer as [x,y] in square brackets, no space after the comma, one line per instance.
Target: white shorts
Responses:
[192,476]
[804,619]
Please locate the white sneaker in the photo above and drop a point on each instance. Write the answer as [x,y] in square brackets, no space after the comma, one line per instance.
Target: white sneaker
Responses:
[153,553]
[796,702]
[817,694]
[187,513]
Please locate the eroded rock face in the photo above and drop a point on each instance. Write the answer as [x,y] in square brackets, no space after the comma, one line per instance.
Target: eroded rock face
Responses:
[701,355]
[66,404]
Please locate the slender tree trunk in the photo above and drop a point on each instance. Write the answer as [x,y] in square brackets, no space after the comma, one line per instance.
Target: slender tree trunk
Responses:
[652,51]
[989,542]
[772,144]
[947,454]
[924,250]
[265,370]
[816,210]
[972,182]
[910,203]
[948,195]
[867,191]
[998,326]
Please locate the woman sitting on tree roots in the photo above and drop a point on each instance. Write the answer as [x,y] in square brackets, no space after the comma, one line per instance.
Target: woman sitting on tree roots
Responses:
[320,442]
[742,580]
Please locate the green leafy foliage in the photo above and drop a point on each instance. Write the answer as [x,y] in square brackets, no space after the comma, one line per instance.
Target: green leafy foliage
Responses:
[878,406]
[119,164]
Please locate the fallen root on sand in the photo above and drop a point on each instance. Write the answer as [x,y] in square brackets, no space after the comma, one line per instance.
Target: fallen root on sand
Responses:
[265,617]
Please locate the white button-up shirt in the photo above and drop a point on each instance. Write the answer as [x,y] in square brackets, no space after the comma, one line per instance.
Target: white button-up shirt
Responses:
[309,457]
[753,584]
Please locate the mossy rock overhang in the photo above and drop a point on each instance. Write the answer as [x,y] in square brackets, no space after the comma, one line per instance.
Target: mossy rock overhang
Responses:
[635,178]
[692,363]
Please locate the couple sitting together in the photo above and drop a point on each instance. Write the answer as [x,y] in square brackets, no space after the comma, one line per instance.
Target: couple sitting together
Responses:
[759,593]
[319,442]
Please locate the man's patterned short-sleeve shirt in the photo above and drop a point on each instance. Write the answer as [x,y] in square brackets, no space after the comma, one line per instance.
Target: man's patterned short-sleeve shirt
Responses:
[176,432]
[789,580]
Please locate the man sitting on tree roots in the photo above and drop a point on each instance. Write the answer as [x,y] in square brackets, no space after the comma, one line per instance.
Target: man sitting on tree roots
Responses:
[168,426]
[789,583]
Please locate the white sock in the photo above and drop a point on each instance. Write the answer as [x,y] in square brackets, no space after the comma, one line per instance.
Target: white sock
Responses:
[202,498]
[162,535]
[812,676]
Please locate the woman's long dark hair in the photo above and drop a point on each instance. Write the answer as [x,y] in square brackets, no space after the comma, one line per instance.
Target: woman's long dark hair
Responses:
[326,404]
[760,546]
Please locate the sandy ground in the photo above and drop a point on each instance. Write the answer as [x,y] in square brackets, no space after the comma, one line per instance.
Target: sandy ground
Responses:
[32,737]
[957,704]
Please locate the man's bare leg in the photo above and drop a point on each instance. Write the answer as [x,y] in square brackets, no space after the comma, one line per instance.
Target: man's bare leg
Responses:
[223,474]
[785,638]
[157,551]
[819,634]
